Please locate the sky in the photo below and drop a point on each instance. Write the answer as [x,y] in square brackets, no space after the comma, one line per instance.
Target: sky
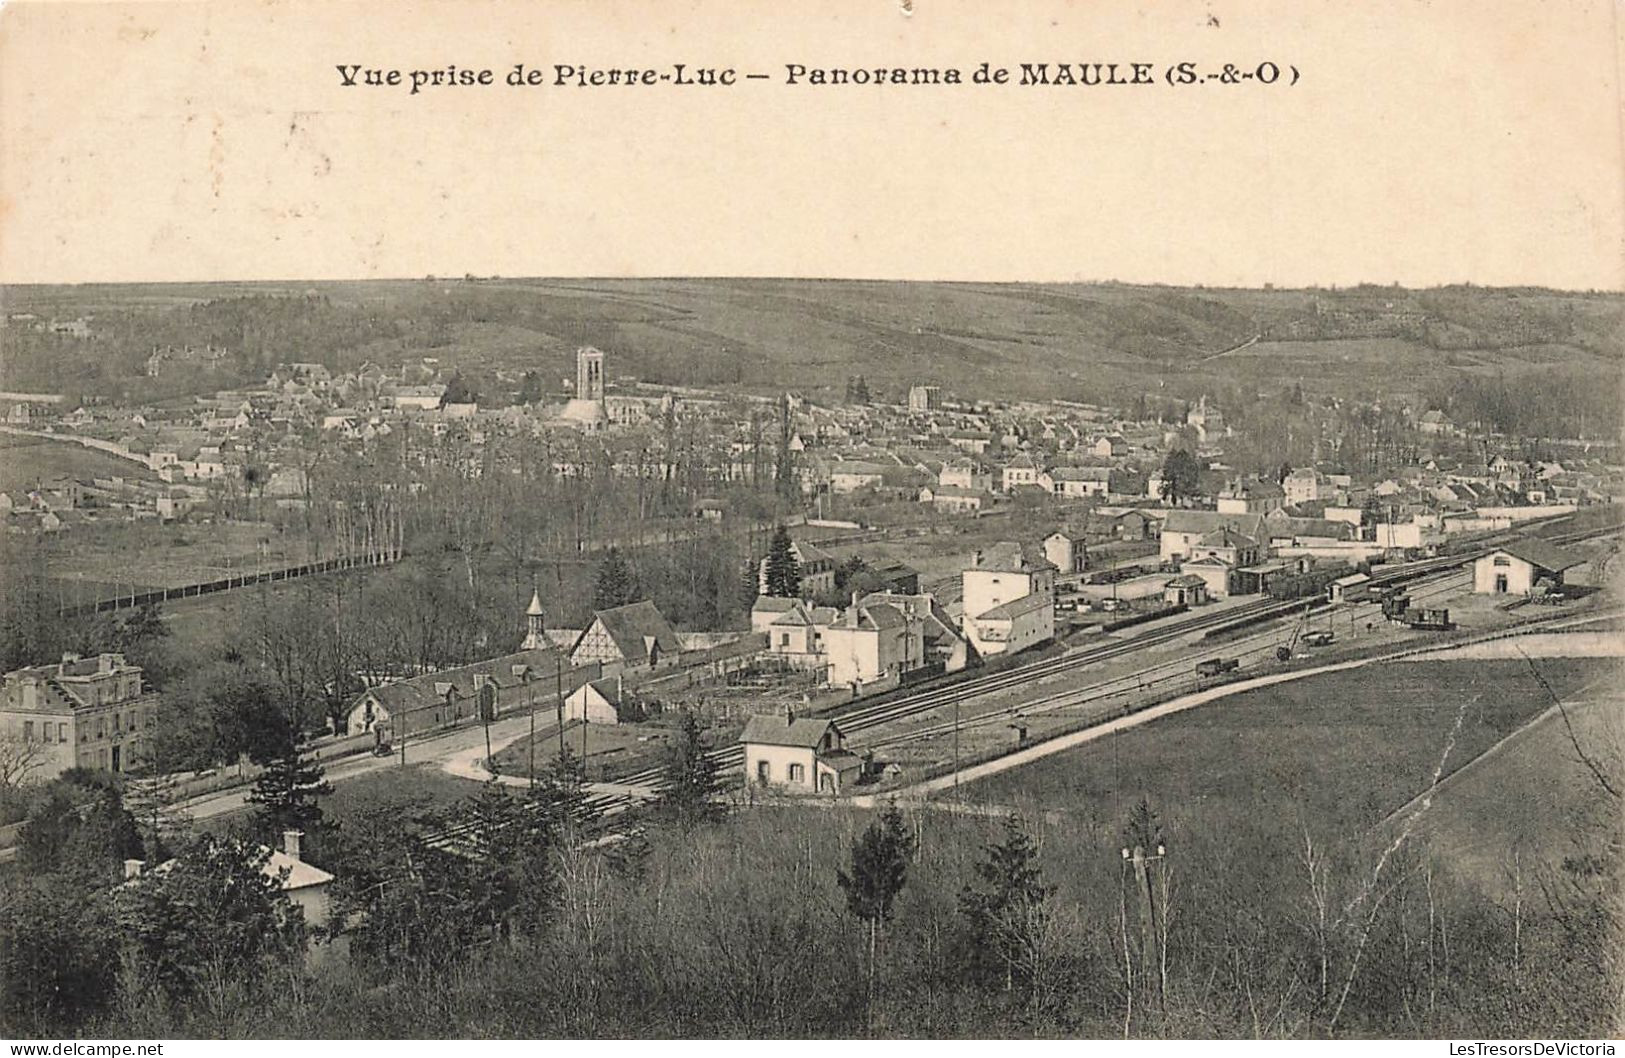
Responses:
[1424,143]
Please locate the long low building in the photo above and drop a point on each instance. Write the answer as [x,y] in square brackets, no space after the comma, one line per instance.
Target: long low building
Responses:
[512,683]
[1517,568]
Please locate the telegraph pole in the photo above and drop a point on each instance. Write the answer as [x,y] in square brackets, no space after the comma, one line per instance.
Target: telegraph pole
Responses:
[1150,942]
[558,697]
[530,700]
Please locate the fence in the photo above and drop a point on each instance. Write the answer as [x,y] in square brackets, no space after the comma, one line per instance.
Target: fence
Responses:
[151,596]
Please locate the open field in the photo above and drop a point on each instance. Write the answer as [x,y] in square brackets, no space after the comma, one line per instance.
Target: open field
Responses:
[27,461]
[423,786]
[1533,800]
[170,555]
[1340,752]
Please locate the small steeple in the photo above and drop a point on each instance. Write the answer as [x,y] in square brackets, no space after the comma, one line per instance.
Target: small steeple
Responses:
[535,633]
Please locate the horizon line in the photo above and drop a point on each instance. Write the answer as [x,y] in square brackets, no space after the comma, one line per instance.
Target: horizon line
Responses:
[1266,286]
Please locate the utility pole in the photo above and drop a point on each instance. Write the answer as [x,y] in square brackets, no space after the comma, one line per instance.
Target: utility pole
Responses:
[1150,942]
[558,697]
[956,747]
[530,701]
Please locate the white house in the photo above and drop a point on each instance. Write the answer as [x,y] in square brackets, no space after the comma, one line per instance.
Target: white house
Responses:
[795,635]
[1183,530]
[953,499]
[598,702]
[1516,568]
[1022,470]
[1008,599]
[1081,481]
[965,474]
[1302,485]
[799,756]
[1251,497]
[1109,446]
[855,475]
[1068,551]
[867,644]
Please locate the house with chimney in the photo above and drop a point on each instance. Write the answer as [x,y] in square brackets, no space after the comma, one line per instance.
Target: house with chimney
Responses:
[92,712]
[794,629]
[1008,599]
[794,755]
[944,645]
[1251,497]
[307,887]
[1182,531]
[872,644]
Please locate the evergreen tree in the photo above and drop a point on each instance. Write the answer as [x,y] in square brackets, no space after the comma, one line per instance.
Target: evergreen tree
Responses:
[508,884]
[530,387]
[880,858]
[212,917]
[1181,477]
[784,473]
[143,639]
[691,779]
[1005,913]
[458,391]
[286,793]
[58,954]
[561,794]
[783,571]
[615,585]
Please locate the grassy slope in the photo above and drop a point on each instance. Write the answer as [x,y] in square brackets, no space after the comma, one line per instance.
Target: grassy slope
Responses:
[1532,801]
[1342,751]
[25,461]
[1003,340]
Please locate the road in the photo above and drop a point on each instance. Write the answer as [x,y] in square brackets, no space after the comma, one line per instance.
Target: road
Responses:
[461,752]
[438,750]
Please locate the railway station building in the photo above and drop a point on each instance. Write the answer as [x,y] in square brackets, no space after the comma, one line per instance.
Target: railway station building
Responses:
[1517,568]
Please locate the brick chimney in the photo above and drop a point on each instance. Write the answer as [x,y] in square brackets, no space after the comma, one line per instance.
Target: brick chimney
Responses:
[132,869]
[290,842]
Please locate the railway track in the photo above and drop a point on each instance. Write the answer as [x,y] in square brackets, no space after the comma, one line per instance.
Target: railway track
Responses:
[864,718]
[867,717]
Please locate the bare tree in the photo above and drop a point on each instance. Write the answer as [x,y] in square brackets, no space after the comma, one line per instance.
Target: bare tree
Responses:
[19,758]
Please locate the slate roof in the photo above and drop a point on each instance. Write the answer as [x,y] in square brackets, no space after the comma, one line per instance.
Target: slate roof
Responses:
[782,731]
[429,689]
[1540,553]
[1081,474]
[1007,556]
[633,627]
[1016,608]
[1311,527]
[1226,537]
[1252,525]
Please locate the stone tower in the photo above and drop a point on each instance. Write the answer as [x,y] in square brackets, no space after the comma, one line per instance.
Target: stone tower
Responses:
[589,374]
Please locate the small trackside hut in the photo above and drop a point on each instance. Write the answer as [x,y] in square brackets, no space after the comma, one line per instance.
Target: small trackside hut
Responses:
[798,756]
